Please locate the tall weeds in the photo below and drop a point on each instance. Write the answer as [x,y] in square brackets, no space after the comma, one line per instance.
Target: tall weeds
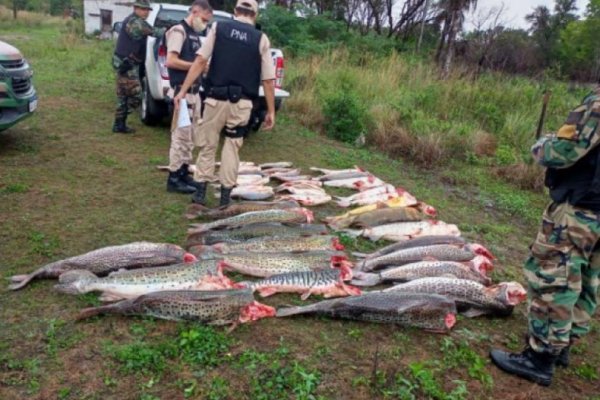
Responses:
[414,114]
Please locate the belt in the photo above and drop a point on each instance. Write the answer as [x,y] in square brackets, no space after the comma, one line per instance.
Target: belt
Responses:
[226,98]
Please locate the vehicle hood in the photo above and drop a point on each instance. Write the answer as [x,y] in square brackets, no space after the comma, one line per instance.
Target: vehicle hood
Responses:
[8,52]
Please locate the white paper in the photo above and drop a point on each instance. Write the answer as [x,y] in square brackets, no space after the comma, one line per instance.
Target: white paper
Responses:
[183,119]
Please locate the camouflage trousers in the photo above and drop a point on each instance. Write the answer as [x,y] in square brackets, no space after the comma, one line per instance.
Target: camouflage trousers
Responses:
[563,274]
[182,142]
[129,92]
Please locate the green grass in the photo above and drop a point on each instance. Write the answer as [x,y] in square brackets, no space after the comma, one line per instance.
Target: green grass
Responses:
[69,185]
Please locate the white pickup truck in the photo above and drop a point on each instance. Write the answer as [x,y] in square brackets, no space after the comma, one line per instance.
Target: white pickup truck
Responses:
[155,77]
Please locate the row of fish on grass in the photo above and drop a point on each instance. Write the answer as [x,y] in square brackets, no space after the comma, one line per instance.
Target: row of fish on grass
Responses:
[277,242]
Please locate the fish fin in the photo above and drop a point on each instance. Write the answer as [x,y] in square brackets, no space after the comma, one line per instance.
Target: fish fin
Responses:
[266,292]
[74,276]
[233,326]
[365,279]
[117,272]
[94,311]
[22,281]
[107,297]
[473,312]
[68,288]
[288,311]
[305,295]
[359,255]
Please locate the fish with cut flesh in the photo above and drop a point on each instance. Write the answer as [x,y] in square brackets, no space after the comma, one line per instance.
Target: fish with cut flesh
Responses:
[127,284]
[438,252]
[356,183]
[273,245]
[425,269]
[251,231]
[307,199]
[335,171]
[472,298]
[299,185]
[108,259]
[255,180]
[336,176]
[264,265]
[292,215]
[250,192]
[400,231]
[426,311]
[219,307]
[197,210]
[328,283]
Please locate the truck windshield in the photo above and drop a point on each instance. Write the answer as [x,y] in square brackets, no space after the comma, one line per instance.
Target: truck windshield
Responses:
[167,18]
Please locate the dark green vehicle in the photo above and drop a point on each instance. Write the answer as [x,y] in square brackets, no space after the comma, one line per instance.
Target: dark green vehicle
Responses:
[18,99]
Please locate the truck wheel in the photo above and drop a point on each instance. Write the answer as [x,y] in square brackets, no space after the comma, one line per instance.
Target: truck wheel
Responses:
[151,111]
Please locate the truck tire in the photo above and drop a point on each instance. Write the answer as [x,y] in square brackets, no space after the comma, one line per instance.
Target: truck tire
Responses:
[152,112]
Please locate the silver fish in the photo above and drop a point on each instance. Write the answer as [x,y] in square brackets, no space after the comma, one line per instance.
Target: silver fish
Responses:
[430,312]
[108,259]
[424,269]
[273,245]
[415,242]
[198,210]
[220,307]
[297,215]
[254,231]
[472,298]
[441,252]
[203,275]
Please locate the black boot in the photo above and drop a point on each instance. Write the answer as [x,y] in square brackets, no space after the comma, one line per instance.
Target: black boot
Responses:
[187,178]
[178,185]
[536,367]
[225,196]
[120,127]
[200,194]
[563,357]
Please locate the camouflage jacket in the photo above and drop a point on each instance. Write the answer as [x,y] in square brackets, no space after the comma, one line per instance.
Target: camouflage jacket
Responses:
[576,138]
[138,28]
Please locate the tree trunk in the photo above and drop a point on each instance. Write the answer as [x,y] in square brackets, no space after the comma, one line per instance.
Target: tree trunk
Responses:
[15,9]
[451,43]
[425,12]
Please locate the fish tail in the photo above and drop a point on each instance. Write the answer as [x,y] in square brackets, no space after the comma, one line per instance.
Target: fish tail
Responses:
[94,311]
[20,281]
[365,279]
[288,311]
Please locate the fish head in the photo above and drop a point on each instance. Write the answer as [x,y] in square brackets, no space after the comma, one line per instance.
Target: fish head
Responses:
[480,250]
[255,311]
[337,245]
[510,293]
[189,258]
[307,214]
[482,264]
[427,209]
[450,320]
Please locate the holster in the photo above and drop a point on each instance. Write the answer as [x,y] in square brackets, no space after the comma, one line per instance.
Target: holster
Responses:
[237,131]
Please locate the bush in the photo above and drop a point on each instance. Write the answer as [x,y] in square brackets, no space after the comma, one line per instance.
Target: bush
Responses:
[346,117]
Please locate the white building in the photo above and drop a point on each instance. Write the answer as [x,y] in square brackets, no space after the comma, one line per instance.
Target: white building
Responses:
[100,15]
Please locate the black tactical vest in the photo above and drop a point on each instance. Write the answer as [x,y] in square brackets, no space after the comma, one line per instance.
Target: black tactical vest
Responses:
[191,44]
[127,47]
[579,184]
[236,58]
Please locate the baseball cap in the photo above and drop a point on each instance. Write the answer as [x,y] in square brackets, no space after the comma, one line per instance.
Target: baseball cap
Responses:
[251,5]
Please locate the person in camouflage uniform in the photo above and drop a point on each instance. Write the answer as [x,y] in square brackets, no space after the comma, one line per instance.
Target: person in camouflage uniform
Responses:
[563,269]
[129,54]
